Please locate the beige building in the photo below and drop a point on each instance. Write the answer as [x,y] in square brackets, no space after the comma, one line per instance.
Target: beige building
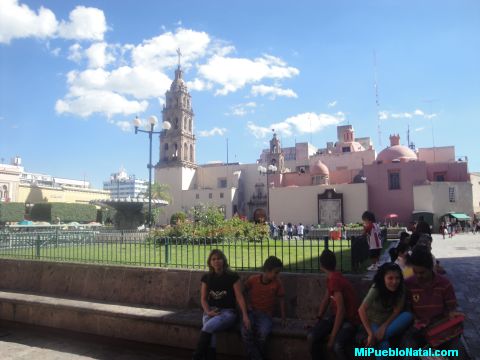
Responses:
[16,185]
[475,180]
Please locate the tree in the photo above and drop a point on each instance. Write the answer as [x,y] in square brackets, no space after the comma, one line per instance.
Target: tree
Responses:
[159,192]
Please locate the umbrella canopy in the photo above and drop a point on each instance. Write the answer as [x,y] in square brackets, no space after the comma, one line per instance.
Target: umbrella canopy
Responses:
[391,216]
[25,222]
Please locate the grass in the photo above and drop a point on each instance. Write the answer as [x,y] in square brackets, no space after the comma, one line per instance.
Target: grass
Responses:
[297,255]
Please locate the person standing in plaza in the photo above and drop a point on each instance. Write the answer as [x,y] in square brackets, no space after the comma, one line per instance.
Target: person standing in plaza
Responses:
[372,232]
[220,291]
[290,231]
[300,230]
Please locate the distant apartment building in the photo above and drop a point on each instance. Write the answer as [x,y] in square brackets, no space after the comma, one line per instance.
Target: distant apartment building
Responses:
[122,186]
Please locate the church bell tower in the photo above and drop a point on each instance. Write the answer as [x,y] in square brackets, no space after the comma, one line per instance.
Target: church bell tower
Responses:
[177,145]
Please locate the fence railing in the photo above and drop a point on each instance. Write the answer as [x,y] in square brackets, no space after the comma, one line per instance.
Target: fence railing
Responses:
[139,249]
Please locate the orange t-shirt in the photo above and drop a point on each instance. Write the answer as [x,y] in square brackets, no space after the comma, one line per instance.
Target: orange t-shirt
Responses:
[263,296]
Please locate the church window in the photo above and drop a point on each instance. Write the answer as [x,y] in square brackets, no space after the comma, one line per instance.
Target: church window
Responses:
[221,195]
[191,153]
[222,183]
[210,195]
[185,152]
[394,180]
[175,153]
[176,123]
[190,125]
[346,149]
[184,123]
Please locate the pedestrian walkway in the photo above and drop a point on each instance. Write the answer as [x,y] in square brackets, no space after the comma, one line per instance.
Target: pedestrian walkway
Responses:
[460,256]
[23,342]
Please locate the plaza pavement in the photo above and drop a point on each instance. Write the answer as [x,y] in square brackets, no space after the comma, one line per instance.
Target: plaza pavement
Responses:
[460,256]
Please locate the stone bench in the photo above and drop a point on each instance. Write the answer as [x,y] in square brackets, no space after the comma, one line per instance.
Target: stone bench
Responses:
[160,306]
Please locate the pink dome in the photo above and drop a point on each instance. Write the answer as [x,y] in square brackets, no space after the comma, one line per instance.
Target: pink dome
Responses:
[396,153]
[319,168]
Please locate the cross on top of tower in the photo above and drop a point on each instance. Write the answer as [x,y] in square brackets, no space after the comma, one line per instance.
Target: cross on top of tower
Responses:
[179,53]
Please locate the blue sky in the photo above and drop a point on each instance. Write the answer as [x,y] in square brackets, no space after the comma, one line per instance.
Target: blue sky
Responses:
[75,74]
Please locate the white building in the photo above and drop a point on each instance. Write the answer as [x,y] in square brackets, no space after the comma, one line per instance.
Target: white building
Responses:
[122,186]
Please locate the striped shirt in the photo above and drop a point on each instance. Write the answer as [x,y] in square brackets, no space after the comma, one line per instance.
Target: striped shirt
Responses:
[430,301]
[372,231]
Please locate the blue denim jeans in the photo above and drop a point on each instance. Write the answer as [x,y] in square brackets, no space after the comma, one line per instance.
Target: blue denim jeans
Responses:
[318,335]
[213,324]
[396,327]
[255,339]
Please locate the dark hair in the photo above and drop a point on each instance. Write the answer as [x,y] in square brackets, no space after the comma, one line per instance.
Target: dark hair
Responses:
[328,260]
[368,215]
[219,253]
[404,235]
[394,252]
[272,263]
[388,297]
[413,239]
[421,256]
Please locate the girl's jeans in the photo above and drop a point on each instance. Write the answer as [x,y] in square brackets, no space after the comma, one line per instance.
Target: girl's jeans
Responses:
[221,322]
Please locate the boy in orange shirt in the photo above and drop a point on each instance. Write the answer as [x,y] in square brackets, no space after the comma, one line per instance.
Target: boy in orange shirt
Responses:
[263,292]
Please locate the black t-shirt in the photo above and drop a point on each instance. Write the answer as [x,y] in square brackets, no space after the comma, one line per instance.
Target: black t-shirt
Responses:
[220,289]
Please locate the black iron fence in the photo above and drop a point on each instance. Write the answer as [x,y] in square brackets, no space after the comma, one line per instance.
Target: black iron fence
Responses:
[139,248]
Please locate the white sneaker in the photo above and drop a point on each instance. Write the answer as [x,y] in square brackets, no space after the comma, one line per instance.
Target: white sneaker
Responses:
[373,267]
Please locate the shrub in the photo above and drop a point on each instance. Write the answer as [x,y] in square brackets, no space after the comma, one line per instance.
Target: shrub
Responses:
[11,212]
[65,211]
[178,218]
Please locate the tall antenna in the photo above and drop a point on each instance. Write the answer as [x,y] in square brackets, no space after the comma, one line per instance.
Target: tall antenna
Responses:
[377,102]
[430,101]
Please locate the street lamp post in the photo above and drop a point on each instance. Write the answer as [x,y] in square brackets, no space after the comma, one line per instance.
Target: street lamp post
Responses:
[152,120]
[271,169]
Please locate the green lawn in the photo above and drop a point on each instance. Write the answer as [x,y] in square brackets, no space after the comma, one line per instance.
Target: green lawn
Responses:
[297,255]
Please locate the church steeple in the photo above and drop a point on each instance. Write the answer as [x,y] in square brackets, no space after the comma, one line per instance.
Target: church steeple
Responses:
[177,145]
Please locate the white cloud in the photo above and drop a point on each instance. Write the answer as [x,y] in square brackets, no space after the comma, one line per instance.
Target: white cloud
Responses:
[85,23]
[98,101]
[298,124]
[242,109]
[56,51]
[384,115]
[98,55]
[234,73]
[18,21]
[198,85]
[273,91]
[125,126]
[75,53]
[213,132]
[332,104]
[161,51]
[420,129]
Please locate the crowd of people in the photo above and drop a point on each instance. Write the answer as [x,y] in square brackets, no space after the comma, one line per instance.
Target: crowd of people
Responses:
[409,300]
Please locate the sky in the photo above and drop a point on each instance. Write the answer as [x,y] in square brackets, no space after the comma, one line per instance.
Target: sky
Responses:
[74,75]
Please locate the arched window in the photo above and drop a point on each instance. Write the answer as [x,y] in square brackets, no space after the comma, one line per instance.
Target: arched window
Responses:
[176,123]
[191,154]
[185,152]
[184,123]
[175,152]
[190,125]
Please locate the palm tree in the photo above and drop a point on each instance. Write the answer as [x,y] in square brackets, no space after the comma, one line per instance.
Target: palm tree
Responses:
[159,192]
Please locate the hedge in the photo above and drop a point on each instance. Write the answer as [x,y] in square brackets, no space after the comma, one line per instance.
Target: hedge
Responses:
[49,212]
[11,212]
